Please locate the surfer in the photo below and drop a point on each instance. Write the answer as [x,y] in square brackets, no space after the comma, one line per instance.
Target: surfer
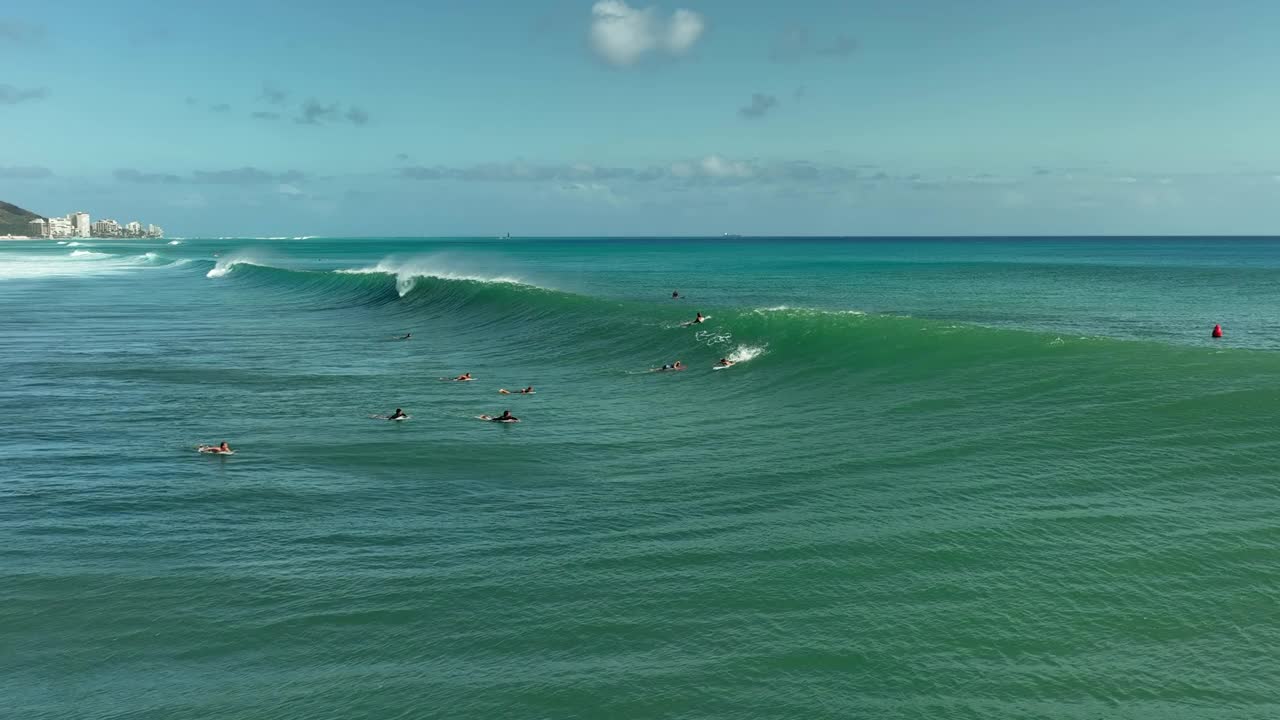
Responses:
[675,294]
[677,365]
[526,391]
[464,377]
[407,336]
[224,448]
[1217,331]
[696,321]
[725,362]
[398,415]
[505,417]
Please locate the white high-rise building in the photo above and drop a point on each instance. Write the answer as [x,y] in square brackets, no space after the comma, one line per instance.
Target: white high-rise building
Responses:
[133,229]
[59,227]
[38,228]
[154,231]
[107,228]
[80,225]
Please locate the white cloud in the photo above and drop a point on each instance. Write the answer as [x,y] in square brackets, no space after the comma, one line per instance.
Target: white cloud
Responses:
[686,27]
[717,167]
[621,34]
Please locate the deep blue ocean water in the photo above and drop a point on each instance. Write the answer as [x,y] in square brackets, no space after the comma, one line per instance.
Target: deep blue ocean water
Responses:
[946,478]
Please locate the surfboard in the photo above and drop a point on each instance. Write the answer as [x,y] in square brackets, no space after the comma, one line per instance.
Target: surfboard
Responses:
[490,418]
[722,367]
[388,417]
[695,322]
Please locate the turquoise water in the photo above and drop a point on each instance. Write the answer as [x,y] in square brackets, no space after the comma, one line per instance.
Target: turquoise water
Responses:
[948,479]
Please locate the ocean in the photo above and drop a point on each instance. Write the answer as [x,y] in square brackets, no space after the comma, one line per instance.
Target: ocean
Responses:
[946,478]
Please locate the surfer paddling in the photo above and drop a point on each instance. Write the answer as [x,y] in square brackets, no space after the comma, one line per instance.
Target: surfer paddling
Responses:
[526,391]
[398,415]
[696,321]
[222,449]
[725,362]
[464,377]
[505,417]
[677,365]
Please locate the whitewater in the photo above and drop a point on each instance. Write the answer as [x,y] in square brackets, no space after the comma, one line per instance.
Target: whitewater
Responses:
[964,478]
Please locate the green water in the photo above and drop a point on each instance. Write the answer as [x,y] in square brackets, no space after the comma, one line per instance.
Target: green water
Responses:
[947,479]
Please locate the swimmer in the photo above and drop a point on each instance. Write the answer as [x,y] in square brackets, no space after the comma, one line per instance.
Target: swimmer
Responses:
[675,294]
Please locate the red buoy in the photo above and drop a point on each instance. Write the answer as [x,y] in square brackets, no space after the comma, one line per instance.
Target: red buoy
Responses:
[1217,331]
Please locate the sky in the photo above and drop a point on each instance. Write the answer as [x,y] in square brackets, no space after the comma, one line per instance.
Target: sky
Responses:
[625,117]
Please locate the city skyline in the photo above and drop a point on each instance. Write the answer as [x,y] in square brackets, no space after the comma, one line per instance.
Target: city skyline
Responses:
[79,224]
[637,118]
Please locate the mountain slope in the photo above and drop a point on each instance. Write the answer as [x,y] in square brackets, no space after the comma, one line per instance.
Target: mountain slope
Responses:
[14,220]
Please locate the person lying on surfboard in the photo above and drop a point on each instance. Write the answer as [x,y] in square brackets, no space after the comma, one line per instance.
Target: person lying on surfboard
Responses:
[464,377]
[696,321]
[505,417]
[398,414]
[677,365]
[215,449]
[725,362]
[526,391]
[407,336]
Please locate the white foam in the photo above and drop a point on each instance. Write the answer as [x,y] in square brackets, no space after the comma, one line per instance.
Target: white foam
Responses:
[77,264]
[805,311]
[229,263]
[175,242]
[407,272]
[743,353]
[72,244]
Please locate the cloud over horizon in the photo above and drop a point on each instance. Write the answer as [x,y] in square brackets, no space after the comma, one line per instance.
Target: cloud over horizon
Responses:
[17,32]
[12,95]
[621,35]
[273,94]
[796,43]
[759,106]
[25,172]
[709,169]
[238,176]
[314,112]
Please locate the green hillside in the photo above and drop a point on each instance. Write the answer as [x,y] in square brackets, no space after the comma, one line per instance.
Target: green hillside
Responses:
[14,220]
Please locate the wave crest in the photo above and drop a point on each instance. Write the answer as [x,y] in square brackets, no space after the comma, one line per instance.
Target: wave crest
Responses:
[226,264]
[407,272]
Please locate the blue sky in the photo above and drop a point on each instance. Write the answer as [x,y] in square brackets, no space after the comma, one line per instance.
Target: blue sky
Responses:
[618,117]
